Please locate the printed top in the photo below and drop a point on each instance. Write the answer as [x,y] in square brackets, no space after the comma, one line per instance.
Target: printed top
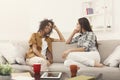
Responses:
[86,40]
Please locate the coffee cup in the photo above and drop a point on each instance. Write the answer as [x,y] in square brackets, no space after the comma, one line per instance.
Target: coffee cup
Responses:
[73,70]
[37,68]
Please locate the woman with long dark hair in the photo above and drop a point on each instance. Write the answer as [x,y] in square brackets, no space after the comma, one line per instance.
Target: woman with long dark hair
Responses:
[40,43]
[86,51]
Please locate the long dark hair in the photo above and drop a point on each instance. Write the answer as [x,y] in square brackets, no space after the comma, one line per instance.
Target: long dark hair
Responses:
[43,25]
[85,24]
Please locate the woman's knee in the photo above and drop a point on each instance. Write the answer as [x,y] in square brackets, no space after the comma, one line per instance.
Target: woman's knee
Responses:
[68,62]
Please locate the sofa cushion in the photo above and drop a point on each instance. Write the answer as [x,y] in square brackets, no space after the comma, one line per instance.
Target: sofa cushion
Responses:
[21,68]
[113,59]
[106,47]
[58,67]
[58,48]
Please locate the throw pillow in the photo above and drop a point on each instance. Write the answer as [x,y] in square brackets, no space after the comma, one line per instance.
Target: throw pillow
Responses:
[14,51]
[114,58]
[21,50]
[8,51]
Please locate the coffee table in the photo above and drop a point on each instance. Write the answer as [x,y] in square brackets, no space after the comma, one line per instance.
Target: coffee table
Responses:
[22,75]
[65,75]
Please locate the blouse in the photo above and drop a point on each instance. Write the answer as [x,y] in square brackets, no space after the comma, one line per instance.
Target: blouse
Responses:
[36,38]
[86,40]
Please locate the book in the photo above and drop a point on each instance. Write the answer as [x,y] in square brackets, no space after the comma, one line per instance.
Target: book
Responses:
[82,77]
[89,10]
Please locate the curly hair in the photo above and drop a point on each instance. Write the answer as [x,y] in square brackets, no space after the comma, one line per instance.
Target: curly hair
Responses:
[43,25]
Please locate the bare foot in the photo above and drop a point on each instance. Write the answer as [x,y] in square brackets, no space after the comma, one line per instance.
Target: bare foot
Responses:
[98,64]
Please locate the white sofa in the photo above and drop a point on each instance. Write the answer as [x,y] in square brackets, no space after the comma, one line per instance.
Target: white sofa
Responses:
[106,47]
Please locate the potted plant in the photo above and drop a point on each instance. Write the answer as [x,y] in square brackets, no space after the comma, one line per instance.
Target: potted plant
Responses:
[5,71]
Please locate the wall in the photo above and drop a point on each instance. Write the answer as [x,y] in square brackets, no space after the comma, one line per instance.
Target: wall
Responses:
[20,18]
[116,15]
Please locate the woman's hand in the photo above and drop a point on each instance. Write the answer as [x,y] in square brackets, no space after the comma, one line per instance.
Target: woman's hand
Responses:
[65,54]
[61,38]
[48,63]
[54,27]
[76,30]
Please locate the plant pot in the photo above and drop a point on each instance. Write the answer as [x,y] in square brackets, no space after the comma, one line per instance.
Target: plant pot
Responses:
[5,77]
